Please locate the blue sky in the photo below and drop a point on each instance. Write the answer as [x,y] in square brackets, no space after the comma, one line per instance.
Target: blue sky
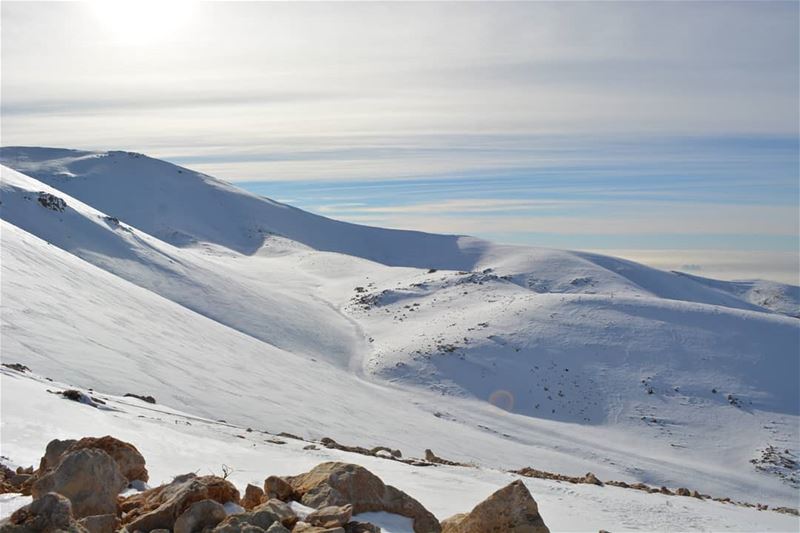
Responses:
[662,131]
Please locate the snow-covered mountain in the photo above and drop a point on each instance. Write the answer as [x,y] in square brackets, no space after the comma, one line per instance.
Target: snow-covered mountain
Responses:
[128,274]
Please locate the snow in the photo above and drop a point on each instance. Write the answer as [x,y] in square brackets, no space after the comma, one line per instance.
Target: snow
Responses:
[173,442]
[157,280]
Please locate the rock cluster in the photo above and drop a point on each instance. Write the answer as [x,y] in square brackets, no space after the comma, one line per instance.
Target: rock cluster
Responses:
[77,487]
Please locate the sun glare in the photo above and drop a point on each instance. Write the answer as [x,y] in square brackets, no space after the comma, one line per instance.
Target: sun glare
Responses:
[141,22]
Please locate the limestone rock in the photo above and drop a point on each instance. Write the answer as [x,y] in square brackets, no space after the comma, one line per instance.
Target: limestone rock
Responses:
[161,506]
[276,487]
[335,483]
[89,478]
[330,516]
[131,462]
[200,515]
[52,454]
[252,497]
[50,513]
[280,509]
[103,523]
[511,509]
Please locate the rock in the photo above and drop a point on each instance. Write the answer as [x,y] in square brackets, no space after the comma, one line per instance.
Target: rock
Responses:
[19,367]
[261,518]
[50,513]
[591,479]
[161,506]
[52,454]
[361,527]
[682,491]
[276,487]
[131,463]
[252,497]
[330,516]
[305,527]
[103,523]
[280,509]
[511,509]
[200,515]
[52,202]
[89,478]
[336,483]
[148,399]
[277,528]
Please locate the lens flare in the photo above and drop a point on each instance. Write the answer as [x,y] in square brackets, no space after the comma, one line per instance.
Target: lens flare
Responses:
[502,399]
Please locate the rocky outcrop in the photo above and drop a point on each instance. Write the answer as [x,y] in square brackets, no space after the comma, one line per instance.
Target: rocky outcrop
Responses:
[161,506]
[340,484]
[200,515]
[89,478]
[511,509]
[48,514]
[282,510]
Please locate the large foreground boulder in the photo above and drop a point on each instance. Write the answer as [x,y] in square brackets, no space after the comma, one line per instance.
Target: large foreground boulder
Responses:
[340,484]
[511,509]
[131,463]
[160,507]
[89,478]
[48,514]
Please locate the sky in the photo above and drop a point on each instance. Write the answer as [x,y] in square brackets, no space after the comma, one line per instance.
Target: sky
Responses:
[665,132]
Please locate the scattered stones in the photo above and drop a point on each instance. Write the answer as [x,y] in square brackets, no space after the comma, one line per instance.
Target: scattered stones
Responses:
[200,515]
[89,478]
[336,483]
[511,509]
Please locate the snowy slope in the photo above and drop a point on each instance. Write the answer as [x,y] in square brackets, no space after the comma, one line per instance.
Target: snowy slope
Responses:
[592,363]
[174,442]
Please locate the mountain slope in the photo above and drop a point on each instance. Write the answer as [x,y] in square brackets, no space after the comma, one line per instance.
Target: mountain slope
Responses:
[185,208]
[573,361]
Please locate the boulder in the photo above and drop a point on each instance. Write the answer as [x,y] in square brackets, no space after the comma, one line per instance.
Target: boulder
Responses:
[52,454]
[103,523]
[161,506]
[305,527]
[335,483]
[330,516]
[131,462]
[281,509]
[511,509]
[200,515]
[89,478]
[361,527]
[259,518]
[50,513]
[276,487]
[252,497]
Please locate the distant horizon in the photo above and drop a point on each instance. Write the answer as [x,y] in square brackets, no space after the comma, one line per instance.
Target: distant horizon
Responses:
[666,131]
